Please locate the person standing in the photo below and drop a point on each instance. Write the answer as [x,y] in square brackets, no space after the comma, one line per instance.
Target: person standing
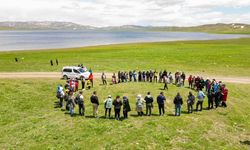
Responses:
[83,82]
[126,107]
[108,105]
[161,99]
[16,60]
[104,79]
[95,103]
[60,95]
[190,102]
[130,75]
[155,76]
[178,102]
[51,62]
[117,107]
[134,75]
[80,103]
[224,94]
[149,104]
[139,105]
[183,77]
[114,79]
[91,79]
[190,81]
[200,101]
[57,62]
[71,103]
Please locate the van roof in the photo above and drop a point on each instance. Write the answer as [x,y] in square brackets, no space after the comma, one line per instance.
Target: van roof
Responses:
[71,67]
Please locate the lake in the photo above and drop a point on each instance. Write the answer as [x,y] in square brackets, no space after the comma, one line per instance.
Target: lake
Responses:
[34,40]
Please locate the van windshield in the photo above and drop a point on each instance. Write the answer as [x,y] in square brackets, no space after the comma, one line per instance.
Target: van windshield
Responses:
[81,70]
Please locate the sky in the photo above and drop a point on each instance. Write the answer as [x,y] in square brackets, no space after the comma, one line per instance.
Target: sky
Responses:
[128,12]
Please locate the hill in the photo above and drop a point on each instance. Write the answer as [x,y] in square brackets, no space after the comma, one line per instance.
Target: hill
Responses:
[236,28]
[233,28]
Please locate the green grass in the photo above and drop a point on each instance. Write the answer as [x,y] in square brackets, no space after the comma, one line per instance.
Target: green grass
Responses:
[30,121]
[216,57]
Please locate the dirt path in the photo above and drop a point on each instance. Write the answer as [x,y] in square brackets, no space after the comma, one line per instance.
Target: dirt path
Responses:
[23,75]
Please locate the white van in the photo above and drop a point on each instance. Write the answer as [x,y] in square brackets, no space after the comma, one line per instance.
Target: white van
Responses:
[74,72]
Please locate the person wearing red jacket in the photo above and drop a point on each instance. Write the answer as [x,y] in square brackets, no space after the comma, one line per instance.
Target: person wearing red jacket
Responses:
[224,94]
[91,78]
[190,81]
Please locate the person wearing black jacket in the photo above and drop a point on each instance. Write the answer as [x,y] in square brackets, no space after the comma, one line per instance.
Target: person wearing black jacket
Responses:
[95,103]
[117,107]
[80,102]
[161,99]
[190,102]
[178,102]
[126,107]
[149,104]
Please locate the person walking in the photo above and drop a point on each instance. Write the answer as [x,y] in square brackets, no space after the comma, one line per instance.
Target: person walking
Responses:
[200,101]
[126,107]
[161,99]
[108,105]
[117,107]
[104,79]
[149,104]
[165,80]
[95,103]
[224,94]
[190,102]
[139,105]
[178,102]
[80,102]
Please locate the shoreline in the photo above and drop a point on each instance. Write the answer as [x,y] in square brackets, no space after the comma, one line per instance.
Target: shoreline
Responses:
[119,44]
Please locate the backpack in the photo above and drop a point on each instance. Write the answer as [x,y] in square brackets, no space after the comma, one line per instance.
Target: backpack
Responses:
[108,103]
[139,103]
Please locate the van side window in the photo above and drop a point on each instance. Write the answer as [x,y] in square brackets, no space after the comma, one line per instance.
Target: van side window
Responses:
[67,70]
[75,71]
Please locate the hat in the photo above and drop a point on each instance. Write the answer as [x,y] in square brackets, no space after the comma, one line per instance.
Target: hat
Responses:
[139,96]
[109,96]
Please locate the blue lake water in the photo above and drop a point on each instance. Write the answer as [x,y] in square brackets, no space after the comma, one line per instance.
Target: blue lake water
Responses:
[33,40]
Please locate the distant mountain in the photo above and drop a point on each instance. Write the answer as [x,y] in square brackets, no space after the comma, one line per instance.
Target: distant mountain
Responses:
[232,28]
[43,25]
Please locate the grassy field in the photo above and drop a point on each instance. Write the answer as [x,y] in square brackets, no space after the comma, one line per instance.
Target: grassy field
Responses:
[218,57]
[30,121]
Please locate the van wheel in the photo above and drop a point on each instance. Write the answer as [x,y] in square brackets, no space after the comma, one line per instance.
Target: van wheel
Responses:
[65,77]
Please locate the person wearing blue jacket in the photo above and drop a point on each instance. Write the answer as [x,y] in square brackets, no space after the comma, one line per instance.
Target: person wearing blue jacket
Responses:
[200,101]
[161,99]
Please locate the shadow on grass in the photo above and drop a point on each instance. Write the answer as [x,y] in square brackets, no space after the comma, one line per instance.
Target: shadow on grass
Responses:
[246,142]
[57,104]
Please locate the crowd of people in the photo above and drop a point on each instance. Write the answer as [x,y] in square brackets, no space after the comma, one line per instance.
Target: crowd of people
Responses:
[216,92]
